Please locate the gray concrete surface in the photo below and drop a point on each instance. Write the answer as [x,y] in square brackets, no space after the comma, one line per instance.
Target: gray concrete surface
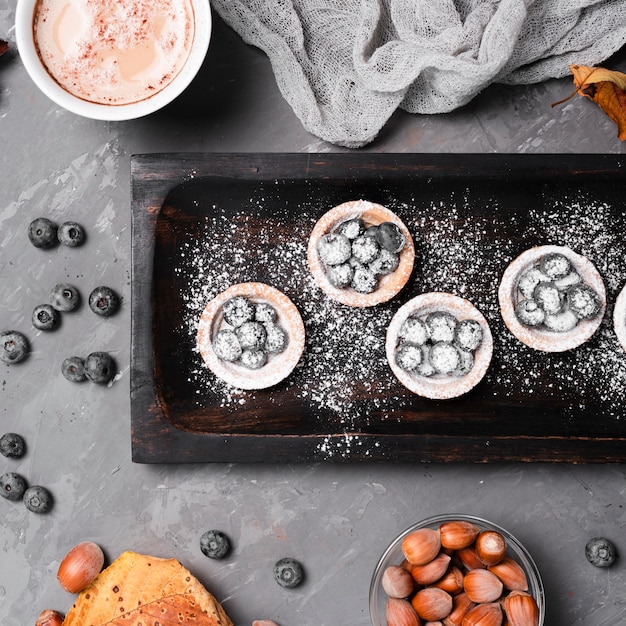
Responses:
[335,519]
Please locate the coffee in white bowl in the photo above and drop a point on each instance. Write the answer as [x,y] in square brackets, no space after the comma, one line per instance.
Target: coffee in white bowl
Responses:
[113,59]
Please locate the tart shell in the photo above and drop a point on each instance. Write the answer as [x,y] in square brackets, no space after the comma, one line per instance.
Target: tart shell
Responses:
[543,339]
[619,318]
[372,214]
[440,387]
[278,366]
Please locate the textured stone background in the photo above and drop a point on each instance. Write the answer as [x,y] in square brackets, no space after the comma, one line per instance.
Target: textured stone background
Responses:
[336,519]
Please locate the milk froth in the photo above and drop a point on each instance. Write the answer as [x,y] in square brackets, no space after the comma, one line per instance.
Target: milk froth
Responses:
[113,51]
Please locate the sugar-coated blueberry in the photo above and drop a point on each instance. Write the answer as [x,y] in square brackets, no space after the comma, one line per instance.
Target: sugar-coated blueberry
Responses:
[561,322]
[100,367]
[45,317]
[71,234]
[288,573]
[14,346]
[238,310]
[38,499]
[468,335]
[445,357]
[12,486]
[275,340]
[390,237]
[265,313]
[409,357]
[334,249]
[363,280]
[441,326]
[548,297]
[385,263]
[600,552]
[529,279]
[555,265]
[365,249]
[65,297]
[414,331]
[73,369]
[529,313]
[12,445]
[251,335]
[351,228]
[584,301]
[104,301]
[567,281]
[226,345]
[466,362]
[214,544]
[426,367]
[340,276]
[42,233]
[253,359]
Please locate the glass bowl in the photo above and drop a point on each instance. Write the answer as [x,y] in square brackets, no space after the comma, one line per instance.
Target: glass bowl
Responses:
[393,556]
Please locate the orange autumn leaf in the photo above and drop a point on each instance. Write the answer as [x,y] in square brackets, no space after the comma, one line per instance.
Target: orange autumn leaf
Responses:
[607,89]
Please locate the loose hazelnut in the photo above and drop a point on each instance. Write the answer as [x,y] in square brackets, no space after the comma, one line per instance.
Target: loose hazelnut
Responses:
[49,618]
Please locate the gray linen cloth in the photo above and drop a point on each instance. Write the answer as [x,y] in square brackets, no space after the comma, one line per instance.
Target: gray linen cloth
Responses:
[345,66]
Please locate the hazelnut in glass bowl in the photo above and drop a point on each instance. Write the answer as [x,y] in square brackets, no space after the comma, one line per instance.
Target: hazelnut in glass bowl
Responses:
[451,568]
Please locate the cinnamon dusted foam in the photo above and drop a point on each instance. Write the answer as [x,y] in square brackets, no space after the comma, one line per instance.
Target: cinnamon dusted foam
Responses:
[113,52]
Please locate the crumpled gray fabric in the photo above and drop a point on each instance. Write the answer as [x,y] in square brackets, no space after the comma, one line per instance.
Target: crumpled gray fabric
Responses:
[345,66]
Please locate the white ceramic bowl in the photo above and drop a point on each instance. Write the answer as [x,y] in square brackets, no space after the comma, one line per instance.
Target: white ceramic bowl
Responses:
[393,556]
[28,53]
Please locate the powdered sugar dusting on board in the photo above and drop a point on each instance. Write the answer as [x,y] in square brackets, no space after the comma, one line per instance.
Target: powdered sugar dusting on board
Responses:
[457,252]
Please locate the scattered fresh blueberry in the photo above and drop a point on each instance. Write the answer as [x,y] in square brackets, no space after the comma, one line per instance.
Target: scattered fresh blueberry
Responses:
[65,297]
[214,544]
[12,486]
[13,346]
[73,368]
[104,301]
[390,237]
[38,499]
[71,234]
[12,445]
[600,552]
[42,233]
[45,317]
[99,367]
[288,573]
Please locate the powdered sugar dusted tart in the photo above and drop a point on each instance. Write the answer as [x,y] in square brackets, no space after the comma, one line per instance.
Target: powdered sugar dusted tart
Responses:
[619,318]
[372,214]
[540,337]
[440,386]
[278,365]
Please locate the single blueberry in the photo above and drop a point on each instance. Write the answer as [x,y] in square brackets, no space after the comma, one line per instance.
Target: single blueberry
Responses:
[104,301]
[214,544]
[65,297]
[12,486]
[45,317]
[13,346]
[390,237]
[12,445]
[99,367]
[71,234]
[288,573]
[334,249]
[600,552]
[38,499]
[73,368]
[42,233]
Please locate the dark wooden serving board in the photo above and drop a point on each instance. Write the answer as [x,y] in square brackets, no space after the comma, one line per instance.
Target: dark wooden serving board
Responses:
[204,221]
